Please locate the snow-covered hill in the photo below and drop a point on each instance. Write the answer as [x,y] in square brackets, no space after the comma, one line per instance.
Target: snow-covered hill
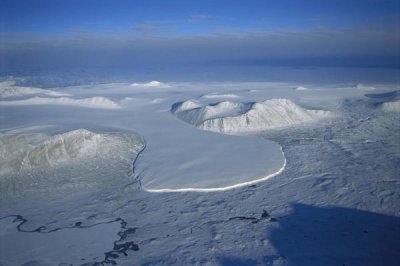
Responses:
[231,117]
[9,89]
[151,84]
[388,101]
[300,88]
[73,159]
[93,102]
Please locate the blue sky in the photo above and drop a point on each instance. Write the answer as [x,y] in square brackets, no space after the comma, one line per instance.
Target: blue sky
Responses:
[186,17]
[160,33]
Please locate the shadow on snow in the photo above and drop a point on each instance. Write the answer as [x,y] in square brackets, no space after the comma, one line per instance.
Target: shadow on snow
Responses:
[332,236]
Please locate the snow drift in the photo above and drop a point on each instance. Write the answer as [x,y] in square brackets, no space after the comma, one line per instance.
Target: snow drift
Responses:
[9,89]
[94,102]
[230,117]
[75,159]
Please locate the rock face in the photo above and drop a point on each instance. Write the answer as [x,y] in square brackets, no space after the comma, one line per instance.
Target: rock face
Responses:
[230,117]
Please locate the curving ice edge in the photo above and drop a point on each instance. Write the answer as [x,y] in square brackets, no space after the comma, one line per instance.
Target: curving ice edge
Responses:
[219,189]
[236,118]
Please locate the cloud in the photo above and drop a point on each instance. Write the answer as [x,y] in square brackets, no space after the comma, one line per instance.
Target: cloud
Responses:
[157,27]
[317,47]
[199,17]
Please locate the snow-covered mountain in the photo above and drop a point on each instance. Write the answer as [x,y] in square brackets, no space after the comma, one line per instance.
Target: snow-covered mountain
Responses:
[231,117]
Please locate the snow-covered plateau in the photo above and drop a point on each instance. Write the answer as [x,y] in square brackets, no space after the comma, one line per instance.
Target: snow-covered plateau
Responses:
[181,173]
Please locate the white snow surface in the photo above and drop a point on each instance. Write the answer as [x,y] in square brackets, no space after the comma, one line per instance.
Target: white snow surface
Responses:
[93,102]
[178,167]
[26,248]
[9,89]
[151,84]
[334,201]
[230,117]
